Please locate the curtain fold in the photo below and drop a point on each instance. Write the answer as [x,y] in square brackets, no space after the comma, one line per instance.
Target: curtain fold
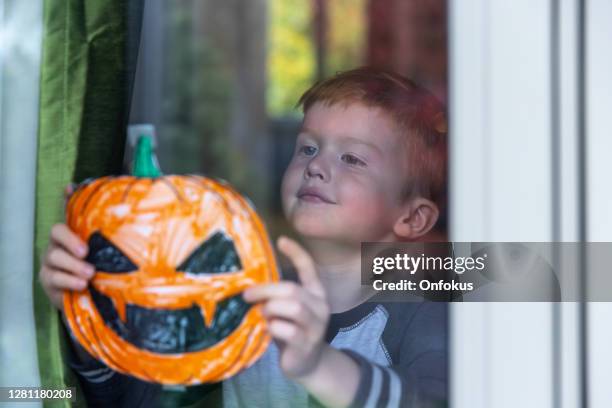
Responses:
[85,85]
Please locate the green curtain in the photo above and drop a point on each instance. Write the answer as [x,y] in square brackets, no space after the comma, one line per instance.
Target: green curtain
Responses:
[86,76]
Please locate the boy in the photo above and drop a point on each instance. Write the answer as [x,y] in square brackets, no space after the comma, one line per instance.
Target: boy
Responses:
[369,165]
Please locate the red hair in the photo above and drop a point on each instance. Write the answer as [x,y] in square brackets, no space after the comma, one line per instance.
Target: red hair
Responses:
[418,114]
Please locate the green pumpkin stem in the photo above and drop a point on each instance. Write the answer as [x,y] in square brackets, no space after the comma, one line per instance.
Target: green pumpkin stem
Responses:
[145,162]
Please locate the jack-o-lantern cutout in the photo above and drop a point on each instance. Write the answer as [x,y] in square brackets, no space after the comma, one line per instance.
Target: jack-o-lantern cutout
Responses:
[173,255]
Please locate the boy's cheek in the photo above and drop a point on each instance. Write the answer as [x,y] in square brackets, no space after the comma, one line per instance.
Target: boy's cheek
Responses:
[288,190]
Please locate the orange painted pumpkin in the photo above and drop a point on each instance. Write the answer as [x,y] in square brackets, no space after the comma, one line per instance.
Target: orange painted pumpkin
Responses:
[173,255]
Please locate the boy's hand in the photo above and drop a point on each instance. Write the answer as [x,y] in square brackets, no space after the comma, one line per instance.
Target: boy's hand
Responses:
[62,266]
[297,314]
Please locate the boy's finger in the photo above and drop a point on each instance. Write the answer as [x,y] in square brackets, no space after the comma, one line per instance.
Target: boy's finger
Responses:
[274,290]
[289,309]
[69,189]
[61,234]
[284,330]
[303,263]
[60,259]
[65,281]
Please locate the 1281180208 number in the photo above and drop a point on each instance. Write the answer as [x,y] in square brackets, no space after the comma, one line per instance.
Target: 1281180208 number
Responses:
[8,394]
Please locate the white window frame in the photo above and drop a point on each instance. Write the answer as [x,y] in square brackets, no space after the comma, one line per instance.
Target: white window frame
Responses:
[20,53]
[515,176]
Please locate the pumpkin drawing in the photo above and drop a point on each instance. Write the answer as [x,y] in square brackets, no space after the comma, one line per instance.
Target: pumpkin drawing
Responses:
[173,255]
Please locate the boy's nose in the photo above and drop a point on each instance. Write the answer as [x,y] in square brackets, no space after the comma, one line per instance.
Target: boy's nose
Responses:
[316,169]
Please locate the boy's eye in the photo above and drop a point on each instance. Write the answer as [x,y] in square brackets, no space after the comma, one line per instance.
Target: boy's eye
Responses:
[308,150]
[352,160]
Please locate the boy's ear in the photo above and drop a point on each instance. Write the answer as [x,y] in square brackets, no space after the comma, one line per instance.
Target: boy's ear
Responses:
[418,218]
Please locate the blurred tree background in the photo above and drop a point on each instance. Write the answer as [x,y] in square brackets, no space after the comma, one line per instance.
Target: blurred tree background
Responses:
[195,109]
[291,55]
[346,35]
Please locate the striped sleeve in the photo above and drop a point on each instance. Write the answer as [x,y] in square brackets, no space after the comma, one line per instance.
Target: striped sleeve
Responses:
[101,385]
[82,363]
[104,387]
[381,386]
[416,339]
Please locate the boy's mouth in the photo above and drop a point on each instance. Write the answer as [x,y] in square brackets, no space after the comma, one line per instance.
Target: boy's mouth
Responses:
[313,195]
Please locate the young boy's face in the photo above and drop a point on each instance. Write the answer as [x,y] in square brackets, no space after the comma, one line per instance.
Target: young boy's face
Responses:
[348,171]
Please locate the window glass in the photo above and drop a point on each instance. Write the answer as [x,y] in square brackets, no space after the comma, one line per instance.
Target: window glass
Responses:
[220,79]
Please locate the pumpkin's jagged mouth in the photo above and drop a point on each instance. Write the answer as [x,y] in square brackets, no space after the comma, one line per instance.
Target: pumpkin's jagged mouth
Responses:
[171,331]
[177,291]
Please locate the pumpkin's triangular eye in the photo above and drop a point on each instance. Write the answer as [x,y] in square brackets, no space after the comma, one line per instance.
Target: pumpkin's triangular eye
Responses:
[216,255]
[106,257]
